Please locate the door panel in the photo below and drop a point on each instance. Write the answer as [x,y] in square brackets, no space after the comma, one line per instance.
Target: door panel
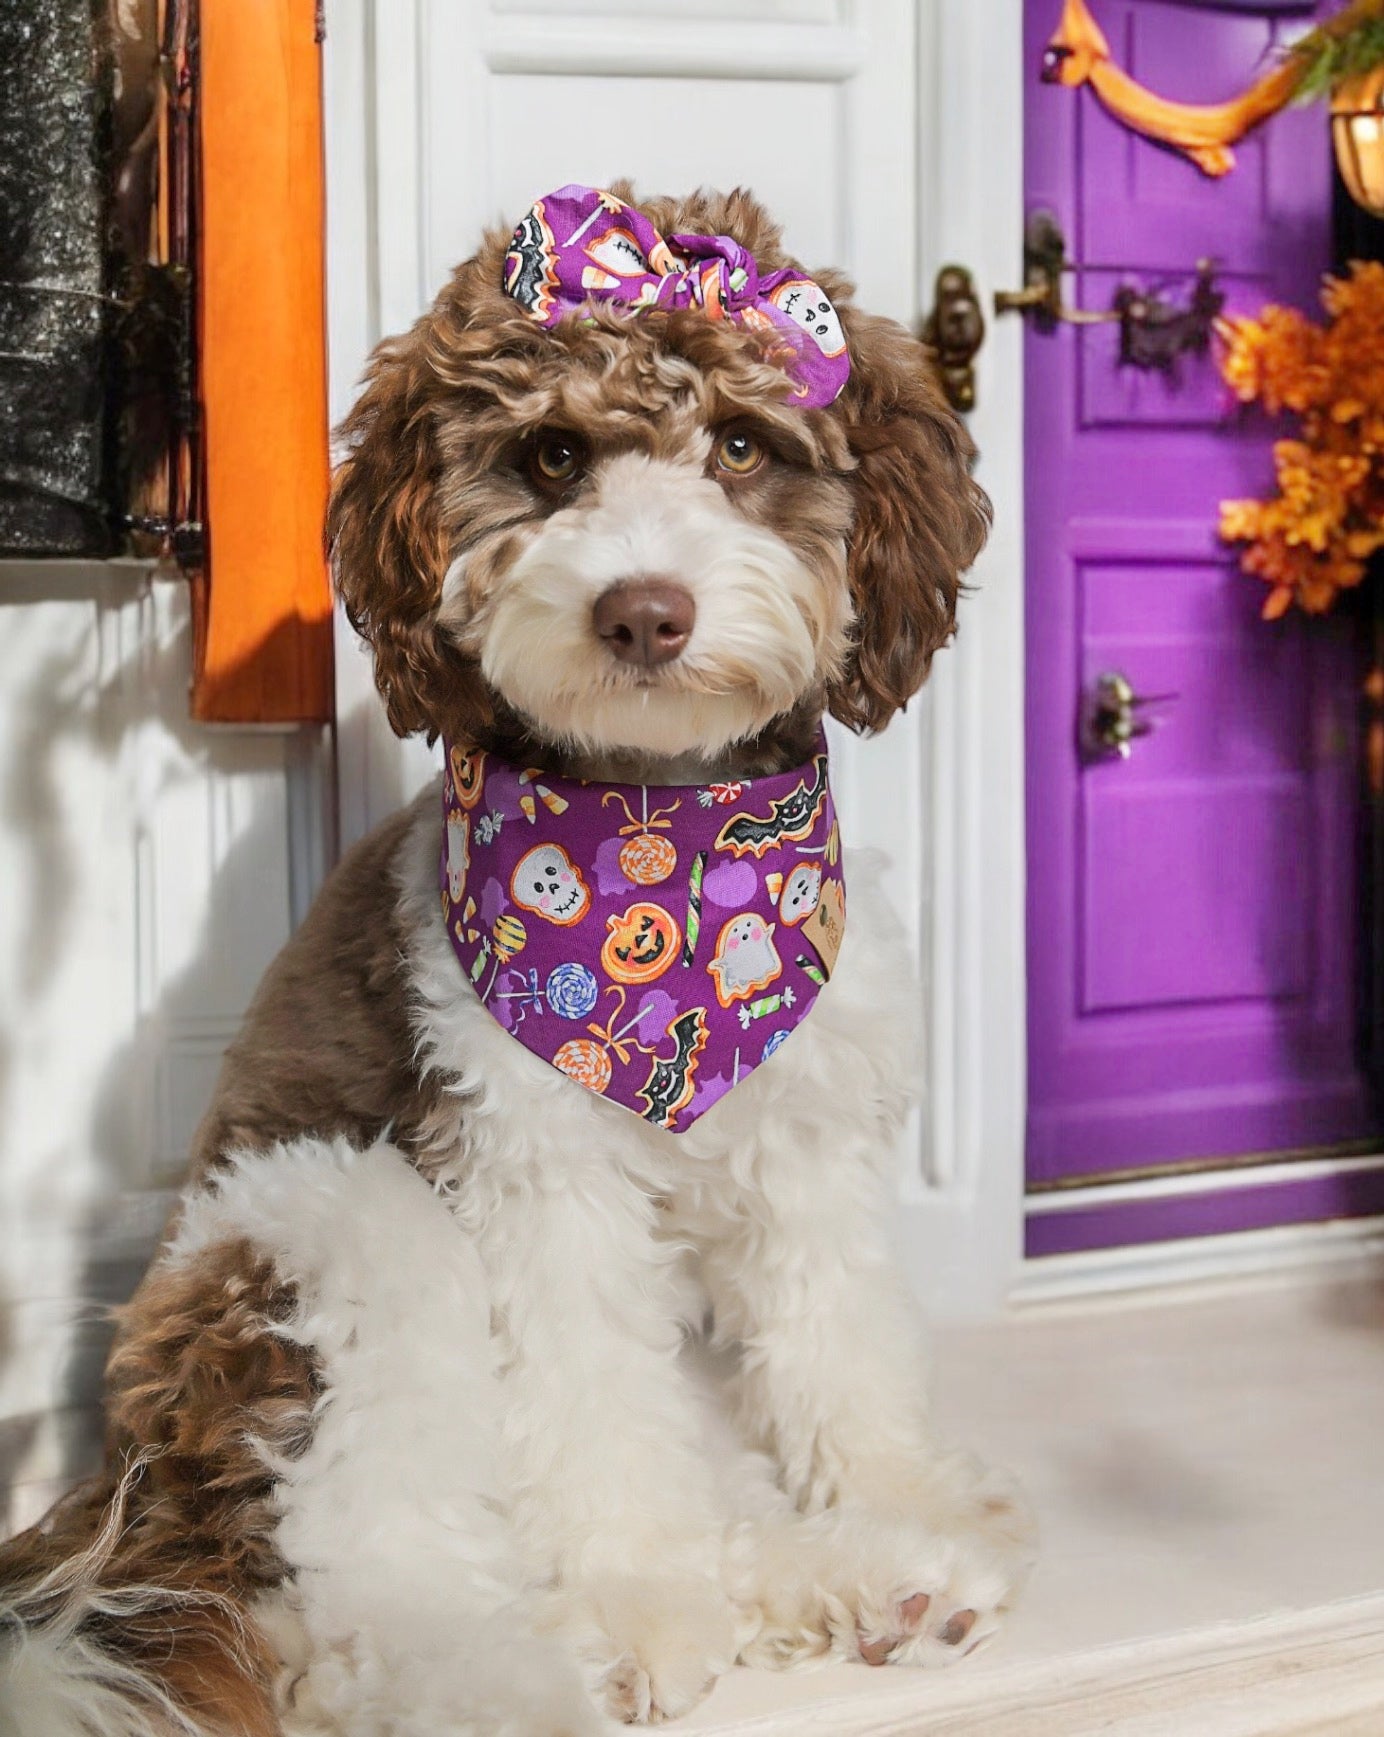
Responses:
[1190,907]
[1219,946]
[1139,205]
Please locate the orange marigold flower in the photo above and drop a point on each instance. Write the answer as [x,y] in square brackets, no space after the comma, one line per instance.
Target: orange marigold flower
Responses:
[1312,538]
[1278,602]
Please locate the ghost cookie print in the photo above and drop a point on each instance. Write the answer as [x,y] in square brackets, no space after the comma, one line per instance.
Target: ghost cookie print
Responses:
[654,945]
[746,959]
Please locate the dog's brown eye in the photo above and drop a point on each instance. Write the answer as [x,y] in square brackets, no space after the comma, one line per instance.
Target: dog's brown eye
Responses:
[557,458]
[739,454]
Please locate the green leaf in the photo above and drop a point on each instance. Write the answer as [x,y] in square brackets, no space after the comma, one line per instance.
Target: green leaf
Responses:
[1331,60]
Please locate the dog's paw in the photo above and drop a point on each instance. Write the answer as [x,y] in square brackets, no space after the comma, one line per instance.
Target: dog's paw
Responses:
[921,1598]
[865,1583]
[652,1648]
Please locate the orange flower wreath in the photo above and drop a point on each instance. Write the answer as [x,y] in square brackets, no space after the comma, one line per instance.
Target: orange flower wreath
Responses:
[1314,537]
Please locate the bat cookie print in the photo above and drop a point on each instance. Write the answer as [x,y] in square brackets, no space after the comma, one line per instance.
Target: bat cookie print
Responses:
[790,818]
[669,1086]
[689,922]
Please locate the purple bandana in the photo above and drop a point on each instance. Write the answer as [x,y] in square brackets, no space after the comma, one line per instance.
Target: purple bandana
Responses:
[654,943]
[580,244]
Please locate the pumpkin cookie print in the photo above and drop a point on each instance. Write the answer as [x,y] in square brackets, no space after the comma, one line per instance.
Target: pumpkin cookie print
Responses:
[468,774]
[641,944]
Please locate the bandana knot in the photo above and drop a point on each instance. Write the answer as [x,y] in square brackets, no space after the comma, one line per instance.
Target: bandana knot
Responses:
[581,244]
[656,944]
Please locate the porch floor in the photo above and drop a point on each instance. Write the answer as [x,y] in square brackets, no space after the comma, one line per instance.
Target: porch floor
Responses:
[1208,1468]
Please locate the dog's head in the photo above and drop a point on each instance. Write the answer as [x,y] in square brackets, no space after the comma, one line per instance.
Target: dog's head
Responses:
[621,533]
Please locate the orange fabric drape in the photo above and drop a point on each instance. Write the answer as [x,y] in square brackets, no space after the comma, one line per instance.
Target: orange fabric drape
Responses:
[264,641]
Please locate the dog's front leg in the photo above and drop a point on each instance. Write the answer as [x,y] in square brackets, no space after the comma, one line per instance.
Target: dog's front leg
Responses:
[601,1428]
[407,1608]
[893,1548]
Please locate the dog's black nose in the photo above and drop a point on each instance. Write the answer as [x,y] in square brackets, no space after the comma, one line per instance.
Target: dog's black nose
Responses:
[645,621]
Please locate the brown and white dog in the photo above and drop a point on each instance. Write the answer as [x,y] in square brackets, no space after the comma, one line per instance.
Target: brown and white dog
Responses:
[404,1435]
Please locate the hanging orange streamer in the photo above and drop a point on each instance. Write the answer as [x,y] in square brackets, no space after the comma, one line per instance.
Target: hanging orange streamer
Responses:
[1078,54]
[264,628]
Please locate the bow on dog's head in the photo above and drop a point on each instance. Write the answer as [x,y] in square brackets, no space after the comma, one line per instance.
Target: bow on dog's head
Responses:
[637,482]
[581,244]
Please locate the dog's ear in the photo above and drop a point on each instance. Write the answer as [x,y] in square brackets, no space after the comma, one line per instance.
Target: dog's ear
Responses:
[920,519]
[386,539]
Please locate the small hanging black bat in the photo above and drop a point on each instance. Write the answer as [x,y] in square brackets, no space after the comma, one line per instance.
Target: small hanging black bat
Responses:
[791,817]
[668,1088]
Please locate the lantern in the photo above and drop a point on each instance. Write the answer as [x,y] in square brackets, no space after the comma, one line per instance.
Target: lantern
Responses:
[1357,131]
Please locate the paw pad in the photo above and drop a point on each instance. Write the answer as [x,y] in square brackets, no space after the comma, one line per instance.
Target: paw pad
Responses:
[875,1650]
[957,1628]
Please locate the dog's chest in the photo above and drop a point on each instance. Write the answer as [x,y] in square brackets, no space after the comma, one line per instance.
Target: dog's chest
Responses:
[510,1120]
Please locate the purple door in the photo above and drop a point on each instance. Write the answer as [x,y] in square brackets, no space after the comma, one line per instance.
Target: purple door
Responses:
[1191,907]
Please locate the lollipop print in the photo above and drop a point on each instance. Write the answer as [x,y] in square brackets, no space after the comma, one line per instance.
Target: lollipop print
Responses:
[645,857]
[571,991]
[509,937]
[587,1059]
[519,998]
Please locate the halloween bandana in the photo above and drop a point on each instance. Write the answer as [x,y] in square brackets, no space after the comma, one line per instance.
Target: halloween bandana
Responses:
[653,943]
[580,244]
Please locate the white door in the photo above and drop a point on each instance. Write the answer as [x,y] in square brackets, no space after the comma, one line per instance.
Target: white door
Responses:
[885,135]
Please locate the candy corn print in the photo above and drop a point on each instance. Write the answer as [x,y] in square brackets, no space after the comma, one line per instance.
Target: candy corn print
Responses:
[653,944]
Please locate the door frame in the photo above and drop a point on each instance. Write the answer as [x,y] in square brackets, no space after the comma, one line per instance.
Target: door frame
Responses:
[961,1175]
[965,1227]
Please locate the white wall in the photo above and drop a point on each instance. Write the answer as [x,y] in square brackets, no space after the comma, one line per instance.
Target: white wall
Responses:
[149,870]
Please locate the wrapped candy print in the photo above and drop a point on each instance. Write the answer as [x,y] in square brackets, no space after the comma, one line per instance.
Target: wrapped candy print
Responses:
[634,938]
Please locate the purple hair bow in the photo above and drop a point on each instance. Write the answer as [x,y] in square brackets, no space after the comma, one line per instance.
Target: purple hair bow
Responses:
[580,244]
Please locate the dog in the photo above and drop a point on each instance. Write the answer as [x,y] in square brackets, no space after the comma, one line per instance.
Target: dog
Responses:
[460,1396]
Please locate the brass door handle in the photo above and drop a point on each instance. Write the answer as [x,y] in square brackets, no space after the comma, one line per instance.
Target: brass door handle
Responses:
[955,330]
[1154,332]
[1112,720]
[1045,260]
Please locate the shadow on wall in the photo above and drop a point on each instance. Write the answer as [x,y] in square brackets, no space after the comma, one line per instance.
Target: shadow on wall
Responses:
[152,867]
